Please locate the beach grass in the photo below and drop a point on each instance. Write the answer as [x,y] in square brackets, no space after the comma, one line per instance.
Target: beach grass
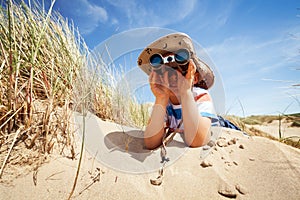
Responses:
[44,78]
[41,56]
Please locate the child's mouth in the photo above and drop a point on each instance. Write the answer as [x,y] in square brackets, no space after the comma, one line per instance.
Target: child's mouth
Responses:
[172,79]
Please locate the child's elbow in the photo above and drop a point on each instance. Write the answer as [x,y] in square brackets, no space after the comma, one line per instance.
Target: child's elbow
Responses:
[202,138]
[149,144]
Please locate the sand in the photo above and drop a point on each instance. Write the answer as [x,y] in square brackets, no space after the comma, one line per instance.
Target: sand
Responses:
[238,166]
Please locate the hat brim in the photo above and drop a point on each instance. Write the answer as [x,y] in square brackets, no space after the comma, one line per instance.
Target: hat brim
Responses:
[172,43]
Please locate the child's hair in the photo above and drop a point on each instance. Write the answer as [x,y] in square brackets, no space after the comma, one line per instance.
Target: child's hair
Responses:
[201,84]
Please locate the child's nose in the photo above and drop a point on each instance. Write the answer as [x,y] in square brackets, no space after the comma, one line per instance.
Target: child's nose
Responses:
[172,75]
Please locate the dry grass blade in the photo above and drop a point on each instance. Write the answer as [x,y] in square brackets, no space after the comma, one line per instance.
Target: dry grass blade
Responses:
[80,159]
[3,124]
[9,151]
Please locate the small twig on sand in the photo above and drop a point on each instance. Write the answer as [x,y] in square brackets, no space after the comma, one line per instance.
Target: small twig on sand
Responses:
[51,176]
[96,178]
[9,151]
[34,177]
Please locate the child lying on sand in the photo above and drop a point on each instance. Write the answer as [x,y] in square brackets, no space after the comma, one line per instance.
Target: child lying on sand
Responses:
[179,81]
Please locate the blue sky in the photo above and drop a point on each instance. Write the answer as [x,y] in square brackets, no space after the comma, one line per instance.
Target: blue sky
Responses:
[254,44]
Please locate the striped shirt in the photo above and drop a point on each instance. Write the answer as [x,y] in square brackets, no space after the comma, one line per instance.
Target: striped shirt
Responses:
[204,105]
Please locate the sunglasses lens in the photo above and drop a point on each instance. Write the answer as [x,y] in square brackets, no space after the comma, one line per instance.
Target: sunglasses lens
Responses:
[182,56]
[156,60]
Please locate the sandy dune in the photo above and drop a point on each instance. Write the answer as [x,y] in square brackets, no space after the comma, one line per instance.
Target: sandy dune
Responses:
[273,129]
[237,166]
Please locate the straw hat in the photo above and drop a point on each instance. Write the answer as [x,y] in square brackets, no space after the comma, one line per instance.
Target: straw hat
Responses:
[172,43]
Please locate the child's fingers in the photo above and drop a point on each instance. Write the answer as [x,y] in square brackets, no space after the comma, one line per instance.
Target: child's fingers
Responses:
[166,79]
[154,78]
[151,77]
[191,70]
[180,78]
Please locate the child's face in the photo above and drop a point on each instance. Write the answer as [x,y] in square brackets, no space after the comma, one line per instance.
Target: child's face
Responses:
[172,78]
[173,82]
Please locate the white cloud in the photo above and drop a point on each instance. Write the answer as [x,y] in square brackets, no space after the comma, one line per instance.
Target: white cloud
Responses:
[93,15]
[154,13]
[212,17]
[114,21]
[87,15]
[224,14]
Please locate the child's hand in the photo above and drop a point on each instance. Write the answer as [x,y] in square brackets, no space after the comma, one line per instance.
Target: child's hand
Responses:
[185,83]
[159,85]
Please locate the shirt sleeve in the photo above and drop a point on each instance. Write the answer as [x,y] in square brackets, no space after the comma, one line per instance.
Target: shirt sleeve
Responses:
[204,103]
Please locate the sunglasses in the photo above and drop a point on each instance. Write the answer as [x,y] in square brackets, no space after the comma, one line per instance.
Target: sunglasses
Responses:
[181,57]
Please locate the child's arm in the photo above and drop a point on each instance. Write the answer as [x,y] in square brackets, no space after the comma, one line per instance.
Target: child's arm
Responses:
[196,127]
[155,129]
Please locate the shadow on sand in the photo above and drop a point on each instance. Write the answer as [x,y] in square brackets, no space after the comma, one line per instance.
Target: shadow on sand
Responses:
[132,142]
